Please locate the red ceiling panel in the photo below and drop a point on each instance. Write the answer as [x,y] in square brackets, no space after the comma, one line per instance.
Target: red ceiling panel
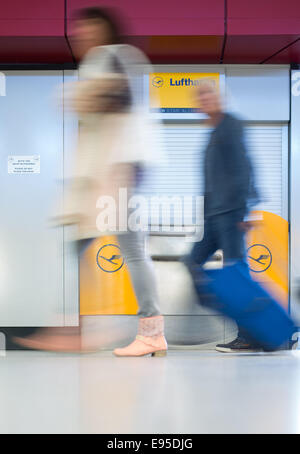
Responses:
[33,31]
[168,30]
[31,9]
[31,18]
[258,29]
[289,55]
[254,49]
[28,49]
[31,27]
[264,9]
[164,17]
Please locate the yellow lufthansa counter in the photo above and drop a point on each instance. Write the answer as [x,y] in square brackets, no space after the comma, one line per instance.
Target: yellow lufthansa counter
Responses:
[106,288]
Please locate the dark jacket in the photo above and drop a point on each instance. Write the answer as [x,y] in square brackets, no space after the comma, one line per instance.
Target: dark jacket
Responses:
[228,175]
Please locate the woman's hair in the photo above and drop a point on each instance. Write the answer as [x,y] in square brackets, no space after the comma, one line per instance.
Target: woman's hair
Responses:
[103,14]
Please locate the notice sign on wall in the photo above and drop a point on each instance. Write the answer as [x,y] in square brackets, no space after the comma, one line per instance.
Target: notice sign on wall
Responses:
[21,165]
[175,92]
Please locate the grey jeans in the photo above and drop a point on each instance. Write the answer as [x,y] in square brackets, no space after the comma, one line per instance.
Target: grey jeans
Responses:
[141,270]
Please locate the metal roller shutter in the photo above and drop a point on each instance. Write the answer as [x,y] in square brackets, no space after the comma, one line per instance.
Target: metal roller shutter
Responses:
[180,173]
[265,144]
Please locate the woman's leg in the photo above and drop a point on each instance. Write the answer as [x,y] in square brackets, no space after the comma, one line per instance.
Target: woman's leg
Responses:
[142,272]
[150,338]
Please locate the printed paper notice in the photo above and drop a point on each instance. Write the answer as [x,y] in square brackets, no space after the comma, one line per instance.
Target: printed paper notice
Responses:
[21,165]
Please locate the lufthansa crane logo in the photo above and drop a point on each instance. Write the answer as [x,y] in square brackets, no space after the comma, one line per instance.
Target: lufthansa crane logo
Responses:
[109,258]
[157,82]
[259,258]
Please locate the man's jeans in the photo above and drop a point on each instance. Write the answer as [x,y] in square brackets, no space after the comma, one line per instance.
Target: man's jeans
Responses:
[220,232]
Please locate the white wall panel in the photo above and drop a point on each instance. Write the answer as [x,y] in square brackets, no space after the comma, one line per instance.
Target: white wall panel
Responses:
[31,253]
[259,93]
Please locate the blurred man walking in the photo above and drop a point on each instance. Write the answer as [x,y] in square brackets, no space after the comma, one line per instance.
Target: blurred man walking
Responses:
[227,193]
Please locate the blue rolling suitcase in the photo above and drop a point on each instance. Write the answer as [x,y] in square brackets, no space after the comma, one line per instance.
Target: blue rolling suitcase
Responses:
[231,291]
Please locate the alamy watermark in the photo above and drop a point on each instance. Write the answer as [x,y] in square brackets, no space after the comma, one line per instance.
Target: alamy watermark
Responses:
[2,84]
[2,344]
[178,214]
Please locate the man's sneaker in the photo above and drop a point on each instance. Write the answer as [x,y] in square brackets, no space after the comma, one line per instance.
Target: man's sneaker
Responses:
[238,345]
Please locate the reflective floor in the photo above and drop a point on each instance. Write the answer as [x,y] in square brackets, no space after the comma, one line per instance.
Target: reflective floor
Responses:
[186,392]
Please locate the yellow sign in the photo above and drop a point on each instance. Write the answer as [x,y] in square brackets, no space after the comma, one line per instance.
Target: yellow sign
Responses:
[175,92]
[268,255]
[105,284]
